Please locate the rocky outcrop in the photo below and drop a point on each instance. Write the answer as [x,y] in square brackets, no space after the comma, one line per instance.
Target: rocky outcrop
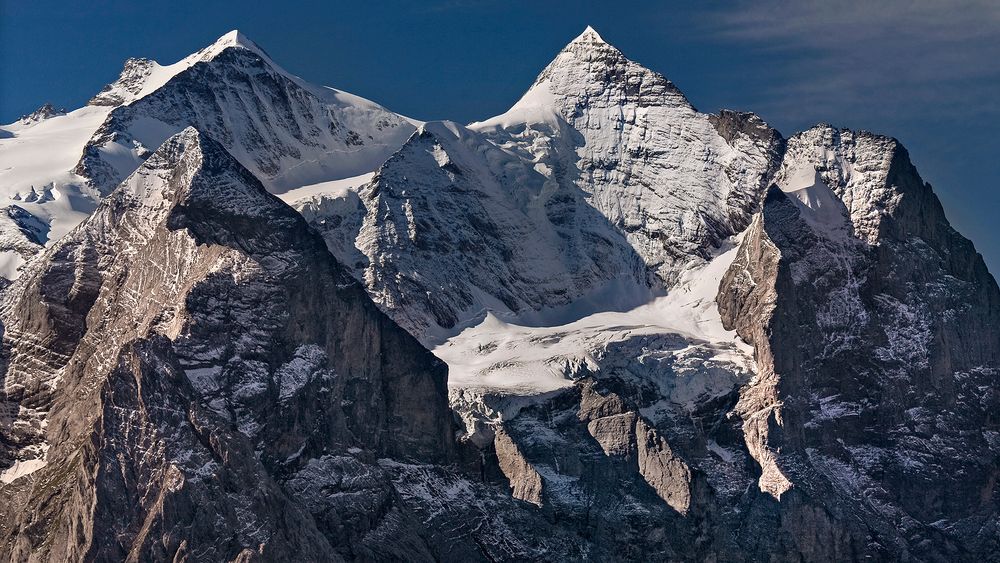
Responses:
[747,297]
[44,112]
[128,86]
[525,482]
[667,473]
[625,434]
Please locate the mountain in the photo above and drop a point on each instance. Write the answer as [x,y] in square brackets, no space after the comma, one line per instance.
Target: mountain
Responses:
[600,326]
[845,278]
[285,130]
[288,132]
[453,226]
[186,363]
[601,183]
[675,181]
[877,334]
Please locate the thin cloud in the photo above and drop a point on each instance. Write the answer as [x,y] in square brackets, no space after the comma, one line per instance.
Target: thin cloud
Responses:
[892,57]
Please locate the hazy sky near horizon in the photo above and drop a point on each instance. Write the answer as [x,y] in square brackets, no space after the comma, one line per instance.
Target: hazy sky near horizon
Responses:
[923,71]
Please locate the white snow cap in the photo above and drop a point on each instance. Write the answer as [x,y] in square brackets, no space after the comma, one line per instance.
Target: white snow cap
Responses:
[584,46]
[235,38]
[232,39]
[590,35]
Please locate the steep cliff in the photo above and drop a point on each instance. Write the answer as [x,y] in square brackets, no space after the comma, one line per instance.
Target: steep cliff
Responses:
[877,329]
[190,373]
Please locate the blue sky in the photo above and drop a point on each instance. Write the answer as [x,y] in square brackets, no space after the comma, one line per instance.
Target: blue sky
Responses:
[924,71]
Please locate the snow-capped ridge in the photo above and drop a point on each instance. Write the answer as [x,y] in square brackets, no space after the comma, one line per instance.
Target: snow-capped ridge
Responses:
[220,89]
[829,126]
[235,39]
[46,111]
[141,77]
[442,127]
[470,226]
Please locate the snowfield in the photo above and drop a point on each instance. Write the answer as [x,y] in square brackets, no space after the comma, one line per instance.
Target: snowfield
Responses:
[499,366]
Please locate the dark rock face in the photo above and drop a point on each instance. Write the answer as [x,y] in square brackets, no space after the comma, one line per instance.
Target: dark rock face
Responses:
[878,362]
[204,355]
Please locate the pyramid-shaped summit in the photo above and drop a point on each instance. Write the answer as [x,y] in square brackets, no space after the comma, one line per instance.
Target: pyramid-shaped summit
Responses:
[591,36]
[213,181]
[235,39]
[641,148]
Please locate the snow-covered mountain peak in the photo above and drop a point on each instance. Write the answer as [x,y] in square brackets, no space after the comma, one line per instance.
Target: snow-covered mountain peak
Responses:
[288,132]
[590,37]
[589,72]
[589,65]
[589,46]
[674,181]
[141,77]
[234,38]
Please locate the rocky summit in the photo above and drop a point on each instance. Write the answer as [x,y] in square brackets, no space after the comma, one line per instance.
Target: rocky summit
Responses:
[248,318]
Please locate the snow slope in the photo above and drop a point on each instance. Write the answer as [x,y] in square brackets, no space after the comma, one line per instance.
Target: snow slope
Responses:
[818,204]
[332,189]
[36,175]
[677,341]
